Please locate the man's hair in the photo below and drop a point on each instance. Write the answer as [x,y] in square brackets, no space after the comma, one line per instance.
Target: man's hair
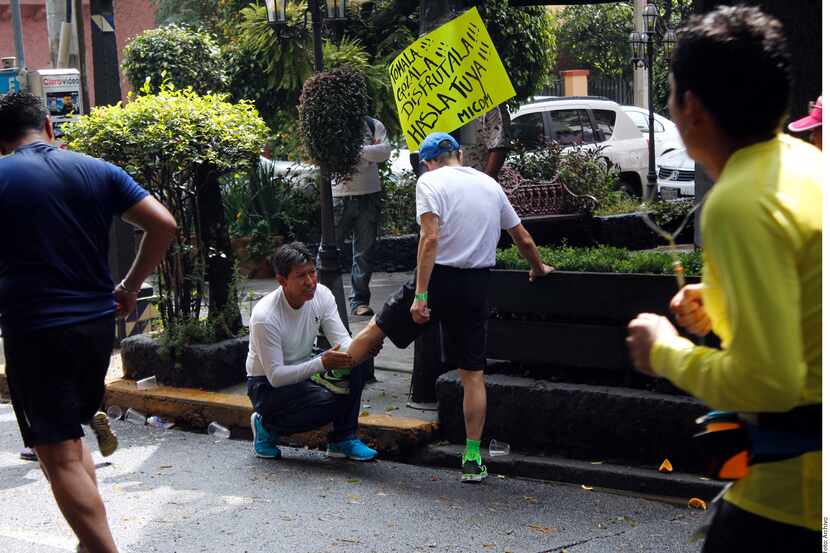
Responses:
[289,256]
[20,112]
[444,157]
[736,60]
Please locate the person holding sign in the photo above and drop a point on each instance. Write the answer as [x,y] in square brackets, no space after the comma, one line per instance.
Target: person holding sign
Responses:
[461,212]
[485,141]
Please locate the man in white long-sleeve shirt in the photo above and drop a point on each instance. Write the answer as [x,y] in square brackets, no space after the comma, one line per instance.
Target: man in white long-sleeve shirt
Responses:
[286,382]
[357,201]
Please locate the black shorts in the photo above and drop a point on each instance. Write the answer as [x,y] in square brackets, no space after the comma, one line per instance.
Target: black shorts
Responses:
[56,378]
[734,529]
[458,301]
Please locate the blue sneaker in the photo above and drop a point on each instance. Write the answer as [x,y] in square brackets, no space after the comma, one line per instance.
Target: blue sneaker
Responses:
[352,449]
[264,445]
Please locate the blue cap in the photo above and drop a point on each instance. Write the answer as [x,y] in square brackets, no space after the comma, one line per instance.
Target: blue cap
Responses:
[436,144]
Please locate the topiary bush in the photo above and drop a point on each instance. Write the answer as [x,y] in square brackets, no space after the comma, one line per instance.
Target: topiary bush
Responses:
[183,56]
[178,144]
[333,110]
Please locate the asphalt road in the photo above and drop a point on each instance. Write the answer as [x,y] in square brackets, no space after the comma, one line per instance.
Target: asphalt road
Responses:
[179,492]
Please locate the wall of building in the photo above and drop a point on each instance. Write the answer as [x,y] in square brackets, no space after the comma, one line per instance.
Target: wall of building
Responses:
[131,18]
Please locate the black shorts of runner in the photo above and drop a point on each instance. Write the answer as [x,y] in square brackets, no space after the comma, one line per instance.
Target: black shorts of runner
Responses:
[56,378]
[458,300]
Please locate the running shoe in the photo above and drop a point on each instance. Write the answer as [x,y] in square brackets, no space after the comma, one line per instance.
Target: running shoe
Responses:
[333,381]
[265,446]
[473,471]
[352,449]
[107,441]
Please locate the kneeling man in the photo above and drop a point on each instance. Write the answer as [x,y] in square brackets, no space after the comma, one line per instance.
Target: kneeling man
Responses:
[289,387]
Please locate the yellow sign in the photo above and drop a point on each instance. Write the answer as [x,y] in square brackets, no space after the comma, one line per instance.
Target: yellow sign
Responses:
[447,78]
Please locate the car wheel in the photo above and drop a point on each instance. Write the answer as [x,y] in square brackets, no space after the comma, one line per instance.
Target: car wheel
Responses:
[630,184]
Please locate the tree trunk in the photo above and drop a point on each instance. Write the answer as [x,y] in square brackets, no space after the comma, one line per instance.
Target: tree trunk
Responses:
[223,297]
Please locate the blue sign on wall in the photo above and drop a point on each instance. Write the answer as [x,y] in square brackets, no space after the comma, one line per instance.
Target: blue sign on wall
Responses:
[8,81]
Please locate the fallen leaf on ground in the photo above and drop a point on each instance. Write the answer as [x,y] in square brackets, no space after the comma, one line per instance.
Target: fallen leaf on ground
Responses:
[348,540]
[391,408]
[588,488]
[697,503]
[166,467]
[364,413]
[353,481]
[631,522]
[501,476]
[666,466]
[541,529]
[530,499]
[380,493]
[435,478]
[596,462]
[488,545]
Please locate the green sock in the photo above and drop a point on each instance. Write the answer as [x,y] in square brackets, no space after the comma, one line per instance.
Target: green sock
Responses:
[473,453]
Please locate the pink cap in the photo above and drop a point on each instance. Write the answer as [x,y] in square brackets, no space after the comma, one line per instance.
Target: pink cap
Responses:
[810,122]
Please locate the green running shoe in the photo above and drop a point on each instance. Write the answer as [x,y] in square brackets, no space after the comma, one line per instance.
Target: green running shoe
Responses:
[332,382]
[473,471]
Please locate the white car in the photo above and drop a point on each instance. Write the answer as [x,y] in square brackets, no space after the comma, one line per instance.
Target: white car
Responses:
[585,121]
[675,175]
[666,136]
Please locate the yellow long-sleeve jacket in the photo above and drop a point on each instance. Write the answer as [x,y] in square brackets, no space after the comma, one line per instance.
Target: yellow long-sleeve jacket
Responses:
[761,228]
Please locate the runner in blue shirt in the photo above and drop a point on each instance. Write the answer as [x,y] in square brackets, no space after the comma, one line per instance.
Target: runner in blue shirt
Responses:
[58,302]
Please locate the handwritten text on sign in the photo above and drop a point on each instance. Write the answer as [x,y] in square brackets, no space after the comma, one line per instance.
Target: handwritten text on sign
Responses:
[447,78]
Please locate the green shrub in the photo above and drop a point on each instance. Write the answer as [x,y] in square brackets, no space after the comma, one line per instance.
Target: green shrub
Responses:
[524,39]
[582,170]
[398,207]
[333,108]
[178,144]
[263,203]
[604,259]
[183,56]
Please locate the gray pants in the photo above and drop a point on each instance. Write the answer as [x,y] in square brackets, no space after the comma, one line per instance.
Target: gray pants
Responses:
[356,218]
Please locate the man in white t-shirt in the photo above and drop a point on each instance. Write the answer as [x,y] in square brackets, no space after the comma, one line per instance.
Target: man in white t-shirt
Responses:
[462,212]
[289,386]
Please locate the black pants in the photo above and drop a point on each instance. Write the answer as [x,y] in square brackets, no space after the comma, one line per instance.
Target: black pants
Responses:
[734,530]
[56,378]
[307,406]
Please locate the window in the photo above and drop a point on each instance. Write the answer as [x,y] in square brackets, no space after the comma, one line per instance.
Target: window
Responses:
[529,130]
[640,120]
[571,126]
[605,120]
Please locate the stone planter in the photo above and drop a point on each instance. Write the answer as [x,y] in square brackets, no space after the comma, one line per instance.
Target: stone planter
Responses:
[593,423]
[571,319]
[206,366]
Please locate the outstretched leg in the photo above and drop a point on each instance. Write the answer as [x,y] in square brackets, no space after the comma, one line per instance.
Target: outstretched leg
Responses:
[367,343]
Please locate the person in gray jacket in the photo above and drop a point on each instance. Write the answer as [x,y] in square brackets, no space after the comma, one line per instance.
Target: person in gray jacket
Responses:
[357,201]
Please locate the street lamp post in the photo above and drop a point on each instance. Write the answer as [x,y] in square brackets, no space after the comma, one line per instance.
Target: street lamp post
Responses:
[642,49]
[328,254]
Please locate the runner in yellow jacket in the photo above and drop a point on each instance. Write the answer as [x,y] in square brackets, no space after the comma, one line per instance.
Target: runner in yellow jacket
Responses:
[761,290]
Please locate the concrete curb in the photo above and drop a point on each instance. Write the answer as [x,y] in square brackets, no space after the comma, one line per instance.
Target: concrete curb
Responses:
[618,477]
[392,436]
